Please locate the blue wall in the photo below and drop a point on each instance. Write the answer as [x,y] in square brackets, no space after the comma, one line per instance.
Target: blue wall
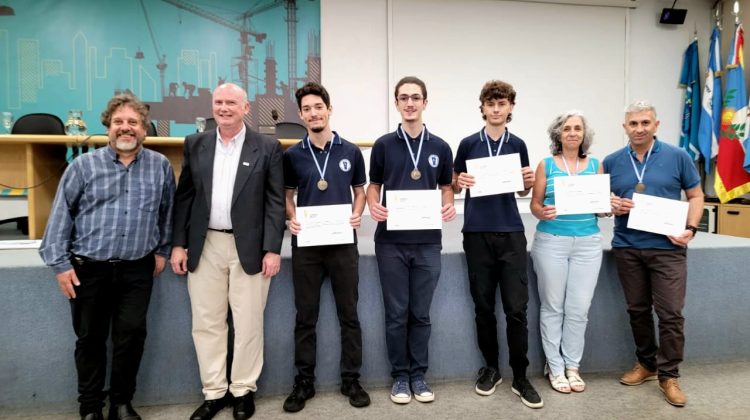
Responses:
[75,54]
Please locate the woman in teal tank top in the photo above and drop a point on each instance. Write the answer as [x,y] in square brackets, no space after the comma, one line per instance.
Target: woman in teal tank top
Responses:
[566,252]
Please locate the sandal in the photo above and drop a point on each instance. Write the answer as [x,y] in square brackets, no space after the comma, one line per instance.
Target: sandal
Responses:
[574,378]
[559,383]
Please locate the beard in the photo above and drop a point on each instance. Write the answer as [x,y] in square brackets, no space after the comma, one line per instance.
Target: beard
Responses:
[127,145]
[317,129]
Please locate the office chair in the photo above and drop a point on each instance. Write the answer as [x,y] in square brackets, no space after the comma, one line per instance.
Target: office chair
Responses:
[38,123]
[151,130]
[210,123]
[290,130]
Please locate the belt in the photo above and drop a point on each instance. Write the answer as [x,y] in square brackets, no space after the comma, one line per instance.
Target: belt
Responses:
[82,259]
[222,230]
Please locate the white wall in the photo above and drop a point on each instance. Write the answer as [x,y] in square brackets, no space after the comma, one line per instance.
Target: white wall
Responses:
[364,44]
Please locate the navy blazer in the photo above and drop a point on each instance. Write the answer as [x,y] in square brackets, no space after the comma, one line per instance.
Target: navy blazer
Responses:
[257,211]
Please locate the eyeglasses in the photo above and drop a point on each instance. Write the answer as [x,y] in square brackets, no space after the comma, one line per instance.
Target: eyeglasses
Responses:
[414,98]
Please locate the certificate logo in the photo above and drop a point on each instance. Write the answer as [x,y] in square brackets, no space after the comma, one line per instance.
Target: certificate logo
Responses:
[434,160]
[345,165]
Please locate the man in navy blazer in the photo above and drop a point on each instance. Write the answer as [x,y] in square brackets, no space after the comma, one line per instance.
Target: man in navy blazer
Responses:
[228,228]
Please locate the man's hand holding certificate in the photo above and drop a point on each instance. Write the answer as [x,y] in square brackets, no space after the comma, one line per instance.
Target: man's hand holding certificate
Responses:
[658,215]
[414,209]
[582,194]
[495,175]
[324,225]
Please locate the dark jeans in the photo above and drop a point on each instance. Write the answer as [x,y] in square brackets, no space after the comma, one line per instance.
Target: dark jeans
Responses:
[116,293]
[499,259]
[655,278]
[408,276]
[309,266]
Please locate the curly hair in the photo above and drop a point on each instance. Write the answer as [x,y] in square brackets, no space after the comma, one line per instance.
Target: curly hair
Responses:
[125,99]
[497,89]
[555,133]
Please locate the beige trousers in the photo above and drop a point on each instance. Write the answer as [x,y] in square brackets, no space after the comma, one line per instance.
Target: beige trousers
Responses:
[217,284]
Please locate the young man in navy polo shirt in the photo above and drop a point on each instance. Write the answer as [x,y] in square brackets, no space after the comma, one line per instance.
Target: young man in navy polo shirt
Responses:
[324,169]
[411,158]
[653,268]
[495,245]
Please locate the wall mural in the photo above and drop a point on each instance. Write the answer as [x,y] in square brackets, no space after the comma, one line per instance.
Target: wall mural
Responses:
[75,54]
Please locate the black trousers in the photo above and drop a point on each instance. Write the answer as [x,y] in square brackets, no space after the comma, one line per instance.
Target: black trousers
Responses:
[115,293]
[309,267]
[499,259]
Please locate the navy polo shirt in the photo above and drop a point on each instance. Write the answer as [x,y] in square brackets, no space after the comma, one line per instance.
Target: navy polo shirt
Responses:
[391,166]
[669,171]
[346,169]
[492,213]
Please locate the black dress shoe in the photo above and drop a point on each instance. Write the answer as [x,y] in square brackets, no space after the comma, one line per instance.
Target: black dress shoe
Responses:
[123,412]
[303,390]
[209,408]
[358,397]
[93,416]
[244,406]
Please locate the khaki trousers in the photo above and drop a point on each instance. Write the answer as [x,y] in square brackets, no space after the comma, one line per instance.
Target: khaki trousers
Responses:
[218,284]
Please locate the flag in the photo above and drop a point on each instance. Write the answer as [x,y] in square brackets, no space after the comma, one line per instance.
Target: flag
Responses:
[731,180]
[690,110]
[710,125]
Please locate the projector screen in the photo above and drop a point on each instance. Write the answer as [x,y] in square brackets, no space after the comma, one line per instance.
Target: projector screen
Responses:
[557,57]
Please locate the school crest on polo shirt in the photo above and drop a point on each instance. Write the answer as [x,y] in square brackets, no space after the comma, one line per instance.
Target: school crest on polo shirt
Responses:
[345,165]
[433,160]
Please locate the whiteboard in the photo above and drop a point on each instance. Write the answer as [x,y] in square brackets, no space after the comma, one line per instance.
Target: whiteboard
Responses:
[557,57]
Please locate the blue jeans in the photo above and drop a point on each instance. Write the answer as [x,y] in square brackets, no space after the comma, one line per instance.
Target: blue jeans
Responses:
[408,276]
[567,268]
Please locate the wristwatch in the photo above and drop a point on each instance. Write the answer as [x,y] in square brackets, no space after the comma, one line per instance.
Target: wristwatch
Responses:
[692,229]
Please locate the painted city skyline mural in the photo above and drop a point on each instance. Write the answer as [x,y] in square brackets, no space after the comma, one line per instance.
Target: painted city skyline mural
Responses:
[76,54]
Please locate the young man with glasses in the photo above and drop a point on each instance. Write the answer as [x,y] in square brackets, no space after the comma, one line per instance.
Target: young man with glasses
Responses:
[411,158]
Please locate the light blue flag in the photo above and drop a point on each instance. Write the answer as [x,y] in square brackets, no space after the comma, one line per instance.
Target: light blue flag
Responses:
[710,125]
[690,111]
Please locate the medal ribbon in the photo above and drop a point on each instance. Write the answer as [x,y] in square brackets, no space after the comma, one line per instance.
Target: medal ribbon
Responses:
[639,176]
[567,168]
[411,153]
[505,136]
[317,165]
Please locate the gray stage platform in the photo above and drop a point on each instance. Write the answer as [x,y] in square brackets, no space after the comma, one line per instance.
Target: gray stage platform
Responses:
[36,339]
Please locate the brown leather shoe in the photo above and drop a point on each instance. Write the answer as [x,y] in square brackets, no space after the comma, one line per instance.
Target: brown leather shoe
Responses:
[637,375]
[672,392]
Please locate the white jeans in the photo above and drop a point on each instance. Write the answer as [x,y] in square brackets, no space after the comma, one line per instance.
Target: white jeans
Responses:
[567,268]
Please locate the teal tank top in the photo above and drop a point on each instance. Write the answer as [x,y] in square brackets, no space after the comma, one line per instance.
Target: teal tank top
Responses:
[569,224]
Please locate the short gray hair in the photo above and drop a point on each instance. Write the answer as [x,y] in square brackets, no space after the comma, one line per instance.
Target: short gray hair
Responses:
[640,106]
[555,133]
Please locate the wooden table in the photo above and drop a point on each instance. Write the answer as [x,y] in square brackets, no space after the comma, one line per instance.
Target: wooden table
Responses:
[37,162]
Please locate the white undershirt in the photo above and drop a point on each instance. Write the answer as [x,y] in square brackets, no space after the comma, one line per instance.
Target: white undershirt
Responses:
[226,162]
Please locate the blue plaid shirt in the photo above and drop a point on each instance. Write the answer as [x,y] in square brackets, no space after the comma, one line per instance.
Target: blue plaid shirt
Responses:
[104,210]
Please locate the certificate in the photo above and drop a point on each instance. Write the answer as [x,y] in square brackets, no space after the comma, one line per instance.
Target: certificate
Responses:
[325,225]
[658,215]
[414,209]
[582,194]
[495,175]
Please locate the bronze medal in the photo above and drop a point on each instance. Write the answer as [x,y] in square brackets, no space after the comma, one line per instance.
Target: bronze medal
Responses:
[415,174]
[322,185]
[640,187]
